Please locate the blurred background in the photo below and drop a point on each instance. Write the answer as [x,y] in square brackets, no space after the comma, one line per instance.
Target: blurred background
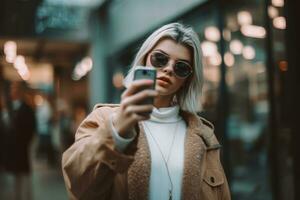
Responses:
[58,58]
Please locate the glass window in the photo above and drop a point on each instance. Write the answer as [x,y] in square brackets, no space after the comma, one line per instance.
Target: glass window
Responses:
[246,78]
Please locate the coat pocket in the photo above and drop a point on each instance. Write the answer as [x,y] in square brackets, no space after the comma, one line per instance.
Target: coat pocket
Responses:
[213,177]
[213,181]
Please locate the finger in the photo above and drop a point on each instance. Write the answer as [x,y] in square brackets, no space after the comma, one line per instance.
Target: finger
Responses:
[135,86]
[138,97]
[137,109]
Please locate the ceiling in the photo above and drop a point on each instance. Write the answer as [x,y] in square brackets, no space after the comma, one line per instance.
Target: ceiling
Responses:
[54,31]
[58,53]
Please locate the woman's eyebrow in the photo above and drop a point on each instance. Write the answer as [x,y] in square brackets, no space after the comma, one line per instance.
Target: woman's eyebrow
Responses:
[161,51]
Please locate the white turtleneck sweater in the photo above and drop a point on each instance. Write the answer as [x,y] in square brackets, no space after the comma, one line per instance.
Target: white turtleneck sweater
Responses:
[165,133]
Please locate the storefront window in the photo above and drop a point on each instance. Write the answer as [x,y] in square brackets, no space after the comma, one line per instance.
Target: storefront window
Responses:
[281,131]
[246,78]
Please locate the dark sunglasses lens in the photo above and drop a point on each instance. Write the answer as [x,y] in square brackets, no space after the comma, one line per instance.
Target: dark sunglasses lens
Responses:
[159,60]
[182,69]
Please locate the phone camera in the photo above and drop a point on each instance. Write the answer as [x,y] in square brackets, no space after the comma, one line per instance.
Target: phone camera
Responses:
[145,72]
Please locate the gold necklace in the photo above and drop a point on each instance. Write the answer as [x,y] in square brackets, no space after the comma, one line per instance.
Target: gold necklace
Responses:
[168,156]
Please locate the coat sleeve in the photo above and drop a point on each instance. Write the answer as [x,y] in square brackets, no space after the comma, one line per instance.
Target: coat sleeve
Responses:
[91,163]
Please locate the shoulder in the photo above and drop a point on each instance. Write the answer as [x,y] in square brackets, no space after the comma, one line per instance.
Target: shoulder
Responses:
[207,130]
[106,106]
[206,123]
[103,111]
[201,127]
[99,117]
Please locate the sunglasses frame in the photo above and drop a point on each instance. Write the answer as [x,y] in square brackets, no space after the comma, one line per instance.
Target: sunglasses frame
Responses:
[158,52]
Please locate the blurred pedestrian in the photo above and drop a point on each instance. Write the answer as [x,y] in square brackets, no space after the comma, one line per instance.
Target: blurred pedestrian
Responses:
[127,152]
[20,132]
[65,124]
[44,129]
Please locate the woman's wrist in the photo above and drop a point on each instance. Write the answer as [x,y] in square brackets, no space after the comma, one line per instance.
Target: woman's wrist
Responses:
[122,131]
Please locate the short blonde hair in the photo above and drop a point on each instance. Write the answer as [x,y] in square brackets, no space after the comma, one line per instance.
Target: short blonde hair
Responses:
[188,97]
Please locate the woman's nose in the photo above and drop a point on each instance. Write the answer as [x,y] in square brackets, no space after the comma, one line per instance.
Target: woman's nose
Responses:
[169,67]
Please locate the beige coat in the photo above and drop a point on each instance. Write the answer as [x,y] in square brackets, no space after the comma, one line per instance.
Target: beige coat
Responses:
[94,169]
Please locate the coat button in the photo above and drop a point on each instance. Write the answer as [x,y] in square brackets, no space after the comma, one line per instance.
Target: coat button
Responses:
[212,179]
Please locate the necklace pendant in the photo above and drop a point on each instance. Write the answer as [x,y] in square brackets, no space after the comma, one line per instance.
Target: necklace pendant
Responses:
[170,194]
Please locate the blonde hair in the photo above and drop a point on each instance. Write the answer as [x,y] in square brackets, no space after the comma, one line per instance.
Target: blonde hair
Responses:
[188,97]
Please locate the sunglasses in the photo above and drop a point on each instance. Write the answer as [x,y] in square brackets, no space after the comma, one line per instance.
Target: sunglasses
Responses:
[181,69]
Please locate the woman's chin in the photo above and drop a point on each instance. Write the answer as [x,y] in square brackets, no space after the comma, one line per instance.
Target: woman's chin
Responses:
[163,91]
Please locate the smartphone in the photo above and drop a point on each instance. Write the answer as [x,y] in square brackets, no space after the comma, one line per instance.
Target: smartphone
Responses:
[145,72]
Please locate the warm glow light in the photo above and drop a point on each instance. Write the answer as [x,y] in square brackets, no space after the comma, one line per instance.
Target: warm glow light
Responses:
[10,51]
[227,34]
[23,71]
[283,65]
[79,70]
[26,76]
[244,18]
[249,52]
[236,47]
[21,67]
[209,48]
[212,33]
[273,12]
[10,58]
[229,59]
[118,80]
[87,63]
[82,68]
[279,22]
[19,62]
[215,59]
[10,46]
[278,3]
[75,77]
[253,31]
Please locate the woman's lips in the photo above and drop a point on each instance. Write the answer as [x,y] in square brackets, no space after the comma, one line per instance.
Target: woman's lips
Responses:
[164,80]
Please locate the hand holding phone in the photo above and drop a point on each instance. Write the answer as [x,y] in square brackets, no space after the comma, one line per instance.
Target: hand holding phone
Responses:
[137,101]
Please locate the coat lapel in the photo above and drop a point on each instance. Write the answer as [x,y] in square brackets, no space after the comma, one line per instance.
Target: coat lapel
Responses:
[195,152]
[139,171]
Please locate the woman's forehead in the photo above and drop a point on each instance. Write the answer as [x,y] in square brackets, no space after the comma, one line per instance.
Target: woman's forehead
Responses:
[174,49]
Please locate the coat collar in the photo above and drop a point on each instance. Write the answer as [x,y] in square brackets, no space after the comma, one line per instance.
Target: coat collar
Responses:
[139,171]
[194,157]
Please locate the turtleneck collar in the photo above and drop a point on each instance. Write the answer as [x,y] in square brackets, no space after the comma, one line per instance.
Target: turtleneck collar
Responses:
[165,115]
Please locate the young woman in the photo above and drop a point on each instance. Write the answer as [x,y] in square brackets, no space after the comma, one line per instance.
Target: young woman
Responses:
[122,153]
